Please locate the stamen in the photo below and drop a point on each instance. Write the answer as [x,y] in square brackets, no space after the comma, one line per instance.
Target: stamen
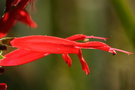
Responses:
[123,51]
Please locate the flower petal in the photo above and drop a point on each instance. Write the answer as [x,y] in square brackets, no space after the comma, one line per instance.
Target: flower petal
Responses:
[82,37]
[67,59]
[101,46]
[24,17]
[97,45]
[45,44]
[20,56]
[85,67]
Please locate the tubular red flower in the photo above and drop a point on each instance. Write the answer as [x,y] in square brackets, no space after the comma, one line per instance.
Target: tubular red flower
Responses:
[31,48]
[14,14]
[10,18]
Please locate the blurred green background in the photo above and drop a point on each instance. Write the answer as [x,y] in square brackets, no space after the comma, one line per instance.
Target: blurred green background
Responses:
[114,19]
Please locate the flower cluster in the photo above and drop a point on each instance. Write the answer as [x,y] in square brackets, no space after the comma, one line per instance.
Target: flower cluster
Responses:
[14,12]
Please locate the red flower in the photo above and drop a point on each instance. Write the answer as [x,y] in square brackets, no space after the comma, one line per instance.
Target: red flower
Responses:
[3,86]
[14,14]
[31,48]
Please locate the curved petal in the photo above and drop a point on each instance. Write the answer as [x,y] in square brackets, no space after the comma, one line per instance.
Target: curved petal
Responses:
[20,56]
[67,59]
[49,44]
[84,64]
[100,46]
[82,37]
